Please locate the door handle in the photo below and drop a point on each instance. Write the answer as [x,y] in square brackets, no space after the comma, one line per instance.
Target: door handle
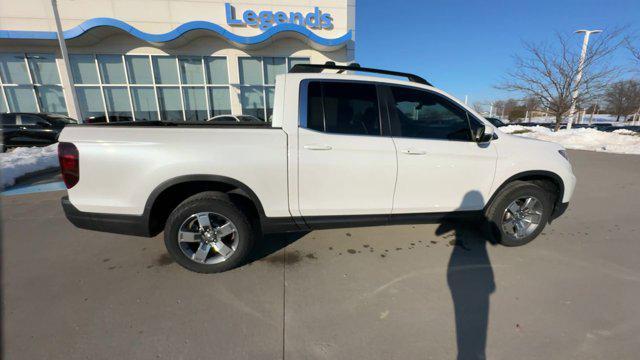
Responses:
[413,152]
[318,147]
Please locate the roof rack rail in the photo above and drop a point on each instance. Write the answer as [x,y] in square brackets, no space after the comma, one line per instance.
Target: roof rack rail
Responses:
[330,65]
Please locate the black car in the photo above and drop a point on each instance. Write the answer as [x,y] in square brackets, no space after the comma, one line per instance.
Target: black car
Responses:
[31,129]
[112,118]
[496,122]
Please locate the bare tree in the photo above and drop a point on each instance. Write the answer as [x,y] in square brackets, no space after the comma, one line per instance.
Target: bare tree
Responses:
[623,98]
[498,105]
[635,50]
[531,104]
[549,73]
[478,106]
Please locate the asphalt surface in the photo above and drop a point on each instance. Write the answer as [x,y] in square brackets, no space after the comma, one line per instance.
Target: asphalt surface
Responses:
[400,292]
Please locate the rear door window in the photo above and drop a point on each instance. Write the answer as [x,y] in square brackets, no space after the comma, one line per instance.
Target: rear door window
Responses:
[29,120]
[8,119]
[225,118]
[343,108]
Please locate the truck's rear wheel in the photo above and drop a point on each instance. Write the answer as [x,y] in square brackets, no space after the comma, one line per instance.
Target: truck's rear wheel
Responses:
[207,233]
[519,213]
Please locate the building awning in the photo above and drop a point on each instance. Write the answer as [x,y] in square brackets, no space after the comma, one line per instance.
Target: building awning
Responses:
[95,30]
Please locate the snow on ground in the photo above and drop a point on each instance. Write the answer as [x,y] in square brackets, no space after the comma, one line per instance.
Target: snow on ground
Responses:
[22,161]
[597,119]
[620,141]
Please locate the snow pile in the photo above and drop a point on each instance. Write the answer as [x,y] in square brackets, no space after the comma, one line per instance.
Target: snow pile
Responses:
[620,141]
[22,161]
[598,118]
[625,132]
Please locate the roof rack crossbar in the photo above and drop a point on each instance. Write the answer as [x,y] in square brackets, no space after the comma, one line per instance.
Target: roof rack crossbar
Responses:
[330,65]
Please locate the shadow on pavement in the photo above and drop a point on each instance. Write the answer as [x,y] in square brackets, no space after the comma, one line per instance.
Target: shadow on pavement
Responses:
[272,243]
[471,282]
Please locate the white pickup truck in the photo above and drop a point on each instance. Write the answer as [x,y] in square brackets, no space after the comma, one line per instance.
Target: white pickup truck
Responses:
[342,150]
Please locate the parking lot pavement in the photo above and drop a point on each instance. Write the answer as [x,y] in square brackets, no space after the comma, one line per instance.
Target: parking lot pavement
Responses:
[400,292]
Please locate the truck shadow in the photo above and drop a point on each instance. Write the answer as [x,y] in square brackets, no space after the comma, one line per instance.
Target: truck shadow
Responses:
[471,283]
[272,243]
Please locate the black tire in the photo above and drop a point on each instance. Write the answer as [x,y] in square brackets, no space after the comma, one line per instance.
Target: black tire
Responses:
[218,203]
[513,191]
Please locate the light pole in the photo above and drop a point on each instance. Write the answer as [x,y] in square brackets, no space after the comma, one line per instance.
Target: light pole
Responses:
[583,55]
[65,58]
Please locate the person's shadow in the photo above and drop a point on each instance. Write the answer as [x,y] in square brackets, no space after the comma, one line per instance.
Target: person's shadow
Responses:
[470,279]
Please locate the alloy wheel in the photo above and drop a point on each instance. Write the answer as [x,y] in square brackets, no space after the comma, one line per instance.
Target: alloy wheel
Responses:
[208,238]
[522,217]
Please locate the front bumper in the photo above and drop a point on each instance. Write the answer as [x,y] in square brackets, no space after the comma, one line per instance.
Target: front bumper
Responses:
[113,223]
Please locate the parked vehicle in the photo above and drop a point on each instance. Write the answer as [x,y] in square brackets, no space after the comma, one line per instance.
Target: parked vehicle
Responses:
[235,118]
[112,118]
[343,150]
[495,122]
[32,129]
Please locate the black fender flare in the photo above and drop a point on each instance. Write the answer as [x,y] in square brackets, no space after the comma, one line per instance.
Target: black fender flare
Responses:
[527,174]
[241,189]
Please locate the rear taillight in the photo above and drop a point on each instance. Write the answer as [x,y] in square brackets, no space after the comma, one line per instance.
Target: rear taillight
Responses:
[69,163]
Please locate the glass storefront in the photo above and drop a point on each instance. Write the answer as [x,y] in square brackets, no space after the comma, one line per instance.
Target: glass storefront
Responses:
[30,83]
[111,87]
[150,87]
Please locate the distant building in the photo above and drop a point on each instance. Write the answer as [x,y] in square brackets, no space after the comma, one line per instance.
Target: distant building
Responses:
[163,59]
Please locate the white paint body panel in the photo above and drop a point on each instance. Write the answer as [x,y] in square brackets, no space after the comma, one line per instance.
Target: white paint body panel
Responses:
[352,175]
[121,166]
[437,175]
[517,154]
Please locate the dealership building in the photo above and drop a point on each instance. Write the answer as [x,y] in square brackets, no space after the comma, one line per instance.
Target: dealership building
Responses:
[162,59]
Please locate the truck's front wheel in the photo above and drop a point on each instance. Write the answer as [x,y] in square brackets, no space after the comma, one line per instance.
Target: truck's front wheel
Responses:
[207,233]
[519,213]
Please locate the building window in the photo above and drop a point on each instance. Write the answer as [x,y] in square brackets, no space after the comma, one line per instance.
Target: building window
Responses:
[149,87]
[30,83]
[3,106]
[90,102]
[83,68]
[257,83]
[165,69]
[139,69]
[118,105]
[43,69]
[252,99]
[112,69]
[219,101]
[191,70]
[195,103]
[13,69]
[21,99]
[51,99]
[170,103]
[217,72]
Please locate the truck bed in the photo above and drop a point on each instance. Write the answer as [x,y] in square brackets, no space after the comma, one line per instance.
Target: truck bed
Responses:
[121,165]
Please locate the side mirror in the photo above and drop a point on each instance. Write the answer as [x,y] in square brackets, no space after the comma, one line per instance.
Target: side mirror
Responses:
[483,134]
